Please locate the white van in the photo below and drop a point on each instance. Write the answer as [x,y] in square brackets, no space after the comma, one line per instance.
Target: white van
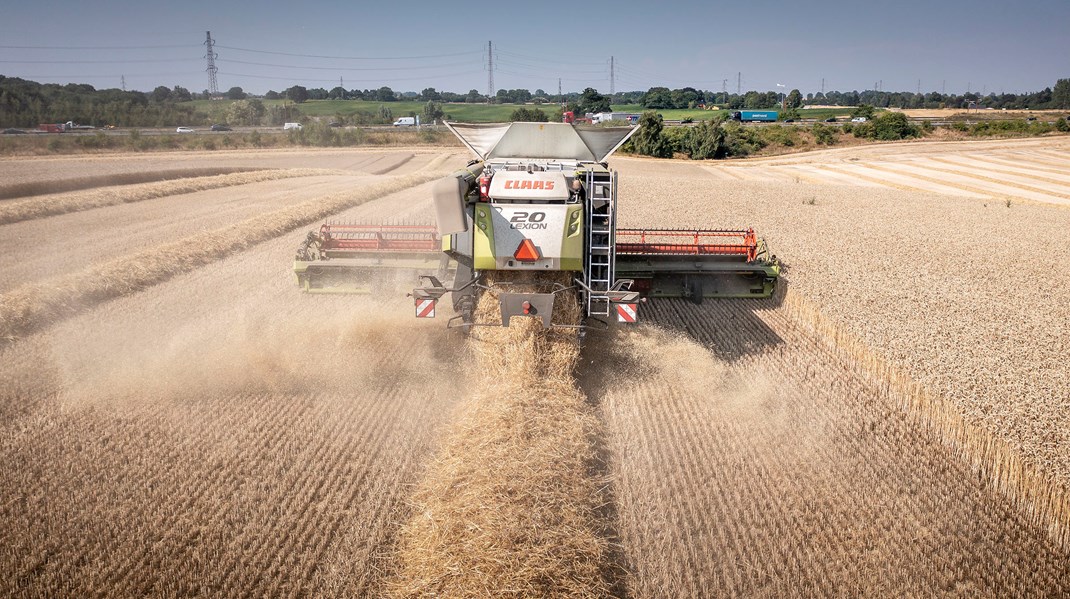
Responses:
[407,121]
[292,126]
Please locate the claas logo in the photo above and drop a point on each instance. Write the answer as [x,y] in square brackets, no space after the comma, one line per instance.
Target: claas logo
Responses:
[529,184]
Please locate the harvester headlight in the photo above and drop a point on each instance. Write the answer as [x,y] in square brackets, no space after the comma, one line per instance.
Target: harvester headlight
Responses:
[574,222]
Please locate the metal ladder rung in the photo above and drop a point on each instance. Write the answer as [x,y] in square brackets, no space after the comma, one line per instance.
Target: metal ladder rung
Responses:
[601,230]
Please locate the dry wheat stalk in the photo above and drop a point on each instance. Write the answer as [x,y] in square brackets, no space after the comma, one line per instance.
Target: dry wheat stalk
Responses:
[38,207]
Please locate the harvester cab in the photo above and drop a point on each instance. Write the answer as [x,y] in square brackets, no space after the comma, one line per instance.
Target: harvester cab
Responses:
[538,205]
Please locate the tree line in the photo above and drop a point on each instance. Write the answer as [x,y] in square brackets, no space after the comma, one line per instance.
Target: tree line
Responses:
[25,103]
[657,98]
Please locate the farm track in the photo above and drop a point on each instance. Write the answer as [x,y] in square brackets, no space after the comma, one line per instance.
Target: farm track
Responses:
[216,432]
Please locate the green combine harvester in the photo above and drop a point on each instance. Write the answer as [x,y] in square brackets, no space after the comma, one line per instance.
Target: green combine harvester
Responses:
[539,199]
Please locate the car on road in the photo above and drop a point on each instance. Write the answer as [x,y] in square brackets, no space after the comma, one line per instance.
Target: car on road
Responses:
[334,124]
[831,119]
[859,119]
[287,126]
[220,127]
[184,130]
[12,131]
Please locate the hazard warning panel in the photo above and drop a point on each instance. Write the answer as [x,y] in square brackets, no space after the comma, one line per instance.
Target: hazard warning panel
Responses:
[626,312]
[425,308]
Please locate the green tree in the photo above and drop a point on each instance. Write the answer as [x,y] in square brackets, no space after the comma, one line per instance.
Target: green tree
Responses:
[297,94]
[432,112]
[592,101]
[864,110]
[1060,95]
[657,97]
[181,94]
[236,93]
[824,135]
[385,94]
[707,140]
[245,112]
[530,115]
[649,139]
[889,126]
[794,99]
[161,94]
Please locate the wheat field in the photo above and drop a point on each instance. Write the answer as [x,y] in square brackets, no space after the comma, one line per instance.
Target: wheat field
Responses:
[177,419]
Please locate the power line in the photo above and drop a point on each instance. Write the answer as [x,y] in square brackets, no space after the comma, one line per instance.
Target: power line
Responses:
[98,47]
[293,66]
[140,60]
[389,80]
[348,57]
[547,58]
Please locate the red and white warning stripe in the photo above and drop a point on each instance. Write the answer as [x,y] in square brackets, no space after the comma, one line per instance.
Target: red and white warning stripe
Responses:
[627,312]
[425,308]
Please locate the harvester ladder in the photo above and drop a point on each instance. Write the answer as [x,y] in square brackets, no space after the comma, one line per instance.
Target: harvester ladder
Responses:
[601,240]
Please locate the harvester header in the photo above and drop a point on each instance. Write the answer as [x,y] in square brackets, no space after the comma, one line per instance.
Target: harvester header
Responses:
[537,203]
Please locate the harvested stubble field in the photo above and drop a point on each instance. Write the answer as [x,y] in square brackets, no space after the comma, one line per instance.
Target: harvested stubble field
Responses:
[889,424]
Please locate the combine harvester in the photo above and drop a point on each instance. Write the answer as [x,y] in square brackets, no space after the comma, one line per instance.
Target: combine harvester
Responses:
[539,200]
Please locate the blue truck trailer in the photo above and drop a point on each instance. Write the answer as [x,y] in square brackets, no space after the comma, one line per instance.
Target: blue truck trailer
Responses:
[755,116]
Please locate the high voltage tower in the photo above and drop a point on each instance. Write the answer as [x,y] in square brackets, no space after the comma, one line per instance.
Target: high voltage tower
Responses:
[612,79]
[213,85]
[490,70]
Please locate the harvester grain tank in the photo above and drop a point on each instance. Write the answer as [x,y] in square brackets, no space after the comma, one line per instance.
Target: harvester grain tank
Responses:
[539,199]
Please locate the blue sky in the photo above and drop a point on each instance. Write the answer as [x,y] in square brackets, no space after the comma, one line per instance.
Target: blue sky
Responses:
[954,45]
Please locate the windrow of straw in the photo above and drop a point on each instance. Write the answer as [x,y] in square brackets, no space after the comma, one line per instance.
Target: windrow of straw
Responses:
[511,505]
[33,306]
[12,212]
[59,185]
[1045,499]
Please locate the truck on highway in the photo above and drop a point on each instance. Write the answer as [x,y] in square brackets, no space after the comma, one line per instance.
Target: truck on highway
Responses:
[407,121]
[605,117]
[755,116]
